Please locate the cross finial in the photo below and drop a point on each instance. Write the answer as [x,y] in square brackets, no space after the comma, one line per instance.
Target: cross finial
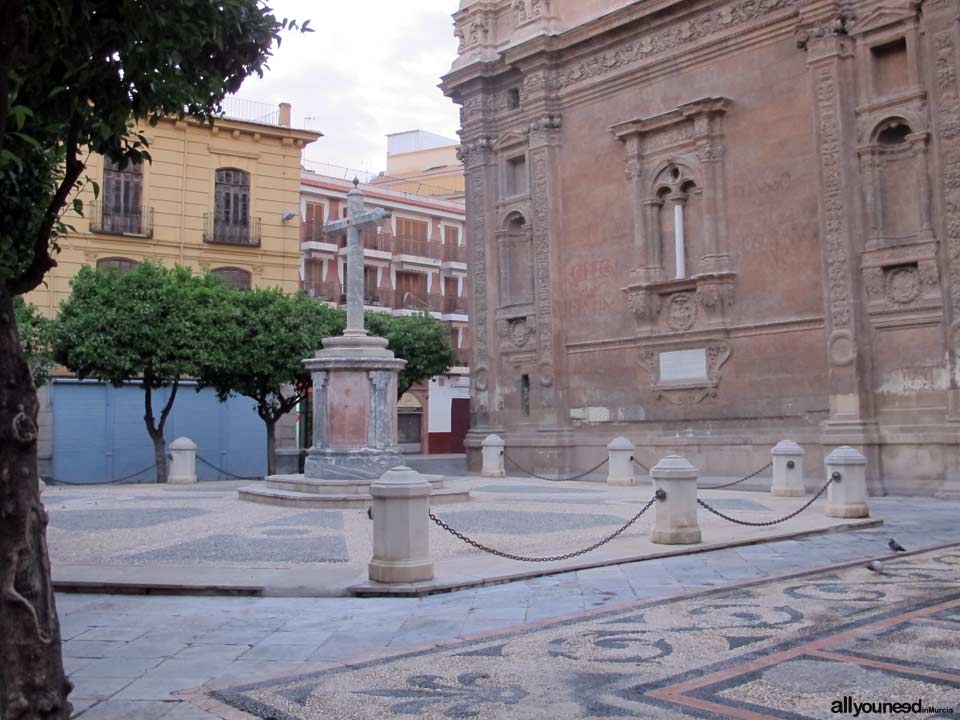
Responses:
[356,182]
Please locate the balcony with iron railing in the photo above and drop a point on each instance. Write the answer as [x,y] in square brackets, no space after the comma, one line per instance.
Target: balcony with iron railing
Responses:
[312,231]
[454,253]
[416,247]
[107,221]
[218,231]
[413,300]
[321,290]
[454,305]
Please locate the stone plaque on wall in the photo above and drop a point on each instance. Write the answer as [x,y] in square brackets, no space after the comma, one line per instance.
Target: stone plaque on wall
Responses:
[682,365]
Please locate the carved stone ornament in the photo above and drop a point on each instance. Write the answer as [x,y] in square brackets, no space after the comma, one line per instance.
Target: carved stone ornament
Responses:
[903,285]
[843,351]
[516,331]
[481,378]
[690,392]
[681,312]
[546,373]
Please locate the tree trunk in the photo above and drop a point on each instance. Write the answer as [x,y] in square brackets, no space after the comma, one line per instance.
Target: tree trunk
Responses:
[271,446]
[155,429]
[33,685]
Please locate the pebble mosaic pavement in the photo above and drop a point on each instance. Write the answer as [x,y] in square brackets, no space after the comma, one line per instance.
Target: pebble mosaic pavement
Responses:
[133,657]
[784,648]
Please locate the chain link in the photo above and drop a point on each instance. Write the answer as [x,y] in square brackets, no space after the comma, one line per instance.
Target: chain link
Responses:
[569,479]
[766,523]
[640,465]
[743,479]
[54,481]
[553,558]
[228,474]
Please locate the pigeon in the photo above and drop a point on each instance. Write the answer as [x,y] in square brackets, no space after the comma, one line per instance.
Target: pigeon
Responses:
[875,566]
[370,513]
[895,546]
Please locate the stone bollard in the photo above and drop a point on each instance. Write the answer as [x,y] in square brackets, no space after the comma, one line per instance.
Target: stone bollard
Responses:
[620,463]
[183,462]
[676,522]
[787,470]
[847,494]
[493,461]
[401,527]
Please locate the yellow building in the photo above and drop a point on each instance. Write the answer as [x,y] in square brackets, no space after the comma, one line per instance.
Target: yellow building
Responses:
[423,163]
[222,198]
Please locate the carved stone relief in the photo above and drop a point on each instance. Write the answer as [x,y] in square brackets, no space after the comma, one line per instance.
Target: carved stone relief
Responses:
[690,392]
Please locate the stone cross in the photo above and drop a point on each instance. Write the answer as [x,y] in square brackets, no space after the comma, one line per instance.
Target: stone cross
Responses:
[356,219]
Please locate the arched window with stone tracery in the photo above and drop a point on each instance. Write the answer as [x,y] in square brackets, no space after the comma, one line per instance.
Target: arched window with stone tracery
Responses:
[516,261]
[679,221]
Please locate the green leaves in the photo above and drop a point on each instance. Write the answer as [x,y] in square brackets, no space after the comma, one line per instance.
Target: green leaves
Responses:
[36,340]
[419,339]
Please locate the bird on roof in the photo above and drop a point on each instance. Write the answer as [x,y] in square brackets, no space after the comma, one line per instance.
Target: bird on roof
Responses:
[895,546]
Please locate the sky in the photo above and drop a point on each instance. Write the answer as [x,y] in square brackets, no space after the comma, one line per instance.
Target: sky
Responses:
[370,67]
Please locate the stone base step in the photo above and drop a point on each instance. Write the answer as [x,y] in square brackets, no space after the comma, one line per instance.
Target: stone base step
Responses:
[293,498]
[313,486]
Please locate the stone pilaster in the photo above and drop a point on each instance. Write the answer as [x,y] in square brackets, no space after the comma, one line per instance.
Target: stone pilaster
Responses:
[830,62]
[545,194]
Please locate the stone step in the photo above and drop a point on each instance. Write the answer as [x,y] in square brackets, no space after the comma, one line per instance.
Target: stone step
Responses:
[301,484]
[293,498]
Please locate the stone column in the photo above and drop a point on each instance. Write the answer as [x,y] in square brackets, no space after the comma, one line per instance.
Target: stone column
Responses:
[830,63]
[620,463]
[847,494]
[493,460]
[787,470]
[401,527]
[676,514]
[183,463]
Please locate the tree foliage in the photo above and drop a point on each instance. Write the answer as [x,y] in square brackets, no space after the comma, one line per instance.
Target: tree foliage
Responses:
[261,339]
[36,340]
[152,324]
[419,339]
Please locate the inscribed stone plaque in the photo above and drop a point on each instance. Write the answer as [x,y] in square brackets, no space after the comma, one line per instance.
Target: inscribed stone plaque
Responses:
[683,365]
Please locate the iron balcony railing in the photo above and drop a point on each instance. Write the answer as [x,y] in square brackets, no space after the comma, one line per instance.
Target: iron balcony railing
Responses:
[454,305]
[419,248]
[312,231]
[218,231]
[108,221]
[321,290]
[453,253]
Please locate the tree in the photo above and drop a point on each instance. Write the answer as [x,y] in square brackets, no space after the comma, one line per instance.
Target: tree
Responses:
[75,78]
[36,340]
[150,324]
[419,339]
[261,340]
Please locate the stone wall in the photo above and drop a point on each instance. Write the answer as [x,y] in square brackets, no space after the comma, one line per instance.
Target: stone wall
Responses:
[738,225]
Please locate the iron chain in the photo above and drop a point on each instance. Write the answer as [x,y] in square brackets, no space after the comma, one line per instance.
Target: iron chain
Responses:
[228,474]
[766,523]
[553,558]
[54,481]
[737,482]
[569,479]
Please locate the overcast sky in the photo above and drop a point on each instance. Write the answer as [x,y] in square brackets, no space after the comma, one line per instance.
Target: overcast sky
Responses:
[370,67]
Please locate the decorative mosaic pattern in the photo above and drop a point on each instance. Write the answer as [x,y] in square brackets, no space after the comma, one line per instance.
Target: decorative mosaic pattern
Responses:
[777,648]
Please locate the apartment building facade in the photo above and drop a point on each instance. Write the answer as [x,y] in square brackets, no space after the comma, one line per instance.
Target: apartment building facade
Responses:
[413,262]
[219,198]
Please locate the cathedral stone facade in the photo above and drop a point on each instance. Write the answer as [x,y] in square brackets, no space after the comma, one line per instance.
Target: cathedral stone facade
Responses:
[712,225]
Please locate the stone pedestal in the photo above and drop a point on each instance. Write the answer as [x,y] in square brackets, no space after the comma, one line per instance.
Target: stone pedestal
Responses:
[847,494]
[401,528]
[354,411]
[620,462]
[676,514]
[290,461]
[493,457]
[183,462]
[787,470]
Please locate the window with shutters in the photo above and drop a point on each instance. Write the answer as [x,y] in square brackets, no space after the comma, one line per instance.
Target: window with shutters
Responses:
[116,264]
[312,228]
[235,278]
[412,290]
[121,209]
[232,223]
[412,237]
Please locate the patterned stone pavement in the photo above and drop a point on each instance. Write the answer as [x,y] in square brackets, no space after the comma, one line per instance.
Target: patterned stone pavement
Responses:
[787,648]
[129,655]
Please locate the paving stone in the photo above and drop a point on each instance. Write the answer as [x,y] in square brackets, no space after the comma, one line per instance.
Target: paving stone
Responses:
[98,688]
[119,518]
[114,667]
[232,548]
[128,710]
[113,634]
[332,519]
[511,522]
[293,653]
[90,648]
[157,686]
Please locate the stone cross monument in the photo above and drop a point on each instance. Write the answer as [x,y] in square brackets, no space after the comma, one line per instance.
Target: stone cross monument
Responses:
[354,381]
